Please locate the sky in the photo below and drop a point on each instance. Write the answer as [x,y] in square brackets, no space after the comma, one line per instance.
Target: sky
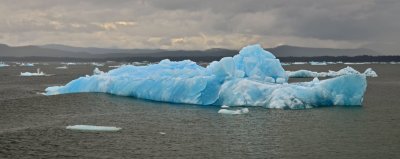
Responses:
[202,24]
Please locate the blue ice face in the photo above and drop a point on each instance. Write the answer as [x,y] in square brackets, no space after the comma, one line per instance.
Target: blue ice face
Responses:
[254,77]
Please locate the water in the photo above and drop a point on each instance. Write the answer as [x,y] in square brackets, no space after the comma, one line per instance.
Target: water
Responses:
[33,125]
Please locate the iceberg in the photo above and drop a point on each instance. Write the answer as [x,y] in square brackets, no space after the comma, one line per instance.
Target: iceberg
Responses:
[92,128]
[356,63]
[299,63]
[234,112]
[97,64]
[27,64]
[345,71]
[317,63]
[68,63]
[62,67]
[97,71]
[143,63]
[393,63]
[224,106]
[254,77]
[370,72]
[2,64]
[37,73]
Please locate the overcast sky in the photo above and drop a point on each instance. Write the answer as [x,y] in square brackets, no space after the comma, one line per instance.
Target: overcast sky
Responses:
[202,24]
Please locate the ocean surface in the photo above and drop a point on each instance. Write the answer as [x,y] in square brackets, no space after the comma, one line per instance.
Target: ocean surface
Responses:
[33,125]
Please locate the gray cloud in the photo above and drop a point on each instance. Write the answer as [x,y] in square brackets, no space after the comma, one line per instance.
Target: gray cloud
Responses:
[193,24]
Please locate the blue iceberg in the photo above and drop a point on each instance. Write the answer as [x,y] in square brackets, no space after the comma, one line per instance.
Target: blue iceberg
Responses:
[254,77]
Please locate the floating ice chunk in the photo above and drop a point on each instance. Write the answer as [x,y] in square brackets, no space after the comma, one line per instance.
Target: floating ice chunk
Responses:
[285,64]
[27,64]
[317,63]
[254,77]
[345,71]
[2,64]
[370,72]
[97,71]
[356,63]
[299,63]
[315,80]
[93,128]
[234,112]
[62,67]
[69,63]
[37,73]
[97,64]
[224,106]
[143,63]
[162,133]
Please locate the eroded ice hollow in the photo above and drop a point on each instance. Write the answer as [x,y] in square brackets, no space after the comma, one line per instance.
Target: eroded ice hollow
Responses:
[254,77]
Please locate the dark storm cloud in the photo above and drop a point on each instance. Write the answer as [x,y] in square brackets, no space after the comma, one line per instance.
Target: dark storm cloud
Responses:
[323,19]
[203,24]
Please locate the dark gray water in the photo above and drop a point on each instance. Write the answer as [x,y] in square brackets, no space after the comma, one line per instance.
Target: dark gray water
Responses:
[33,125]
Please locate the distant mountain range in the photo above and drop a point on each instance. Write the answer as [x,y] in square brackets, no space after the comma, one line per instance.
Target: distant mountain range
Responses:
[55,50]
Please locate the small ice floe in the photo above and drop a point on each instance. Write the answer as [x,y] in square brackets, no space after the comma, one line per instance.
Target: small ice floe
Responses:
[97,64]
[97,71]
[69,63]
[317,63]
[93,128]
[356,63]
[40,93]
[234,112]
[2,64]
[37,73]
[162,133]
[62,67]
[143,63]
[298,63]
[285,64]
[371,73]
[27,64]
[224,106]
